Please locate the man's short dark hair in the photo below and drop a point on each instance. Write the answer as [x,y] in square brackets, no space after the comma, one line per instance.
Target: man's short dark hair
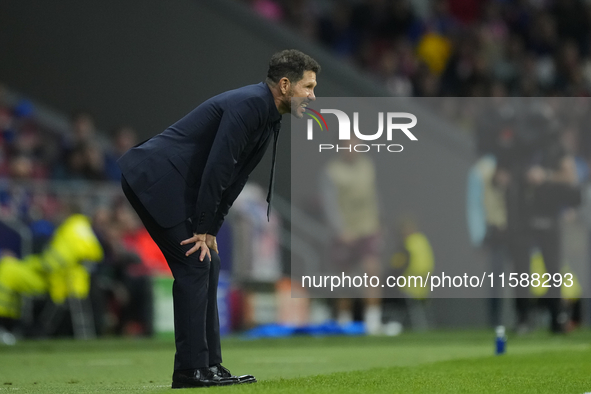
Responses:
[291,64]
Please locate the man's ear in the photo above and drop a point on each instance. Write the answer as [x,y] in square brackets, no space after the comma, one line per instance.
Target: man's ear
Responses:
[284,85]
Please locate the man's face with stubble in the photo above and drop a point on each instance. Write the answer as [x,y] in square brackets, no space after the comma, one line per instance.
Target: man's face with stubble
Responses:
[301,93]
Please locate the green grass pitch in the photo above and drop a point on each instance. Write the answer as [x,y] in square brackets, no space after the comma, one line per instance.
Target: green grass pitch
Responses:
[431,362]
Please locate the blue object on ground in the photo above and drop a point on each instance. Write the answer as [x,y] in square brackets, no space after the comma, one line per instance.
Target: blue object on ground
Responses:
[327,328]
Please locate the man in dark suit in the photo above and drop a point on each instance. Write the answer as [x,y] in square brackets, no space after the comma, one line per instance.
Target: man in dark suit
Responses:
[182,183]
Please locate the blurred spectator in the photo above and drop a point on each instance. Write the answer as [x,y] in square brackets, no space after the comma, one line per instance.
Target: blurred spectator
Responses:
[434,50]
[335,31]
[349,196]
[541,180]
[486,199]
[83,128]
[413,258]
[124,139]
[83,153]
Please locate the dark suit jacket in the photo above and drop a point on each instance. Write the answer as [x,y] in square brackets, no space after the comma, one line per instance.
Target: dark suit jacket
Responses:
[198,166]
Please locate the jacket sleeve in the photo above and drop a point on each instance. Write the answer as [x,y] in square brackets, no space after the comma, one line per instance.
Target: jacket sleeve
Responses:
[228,199]
[237,124]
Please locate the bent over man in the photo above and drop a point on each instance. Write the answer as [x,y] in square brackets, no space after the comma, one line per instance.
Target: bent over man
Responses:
[182,183]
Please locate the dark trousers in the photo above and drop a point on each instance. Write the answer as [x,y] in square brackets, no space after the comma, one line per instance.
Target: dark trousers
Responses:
[196,322]
[548,241]
[497,248]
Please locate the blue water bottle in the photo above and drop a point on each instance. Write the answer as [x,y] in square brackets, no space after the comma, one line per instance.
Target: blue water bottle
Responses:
[501,340]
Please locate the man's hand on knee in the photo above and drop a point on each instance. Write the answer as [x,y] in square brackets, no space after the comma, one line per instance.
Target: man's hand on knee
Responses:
[200,241]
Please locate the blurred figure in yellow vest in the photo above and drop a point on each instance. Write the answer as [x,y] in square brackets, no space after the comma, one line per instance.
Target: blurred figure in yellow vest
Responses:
[57,271]
[414,258]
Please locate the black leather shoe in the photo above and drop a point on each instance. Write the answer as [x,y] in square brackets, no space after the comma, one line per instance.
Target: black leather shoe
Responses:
[224,373]
[201,377]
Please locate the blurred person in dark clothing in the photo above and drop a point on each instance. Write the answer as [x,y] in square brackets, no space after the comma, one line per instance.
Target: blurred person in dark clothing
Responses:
[495,123]
[94,162]
[541,180]
[82,153]
[85,161]
[93,167]
[123,140]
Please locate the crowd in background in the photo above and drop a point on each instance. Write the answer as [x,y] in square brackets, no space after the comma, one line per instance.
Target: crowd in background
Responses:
[414,47]
[457,48]
[32,152]
[452,47]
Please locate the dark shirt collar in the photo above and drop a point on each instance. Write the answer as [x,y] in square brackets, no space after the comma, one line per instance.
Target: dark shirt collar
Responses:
[274,114]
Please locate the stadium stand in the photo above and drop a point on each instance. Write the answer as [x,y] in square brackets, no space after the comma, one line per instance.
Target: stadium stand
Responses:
[413,48]
[451,47]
